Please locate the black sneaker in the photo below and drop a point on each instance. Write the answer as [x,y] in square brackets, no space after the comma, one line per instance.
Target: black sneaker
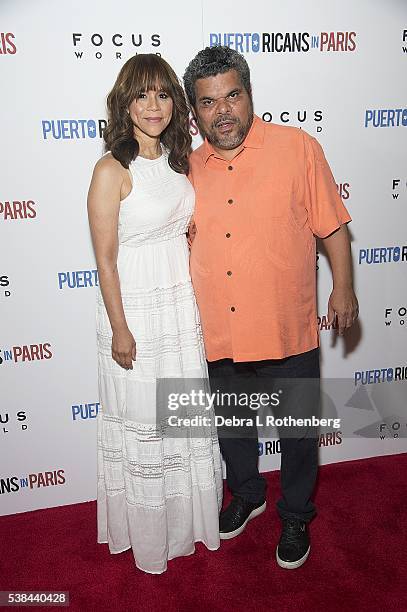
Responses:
[234,519]
[293,548]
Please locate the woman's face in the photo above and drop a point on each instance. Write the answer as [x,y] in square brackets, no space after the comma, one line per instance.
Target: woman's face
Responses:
[151,112]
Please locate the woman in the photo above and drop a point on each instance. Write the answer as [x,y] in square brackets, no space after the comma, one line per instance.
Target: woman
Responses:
[157,494]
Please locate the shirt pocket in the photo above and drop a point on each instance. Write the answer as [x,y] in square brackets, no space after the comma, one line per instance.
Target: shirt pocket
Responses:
[271,198]
[290,250]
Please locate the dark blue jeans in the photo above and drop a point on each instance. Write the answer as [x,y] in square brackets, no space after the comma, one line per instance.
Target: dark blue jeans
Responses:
[299,455]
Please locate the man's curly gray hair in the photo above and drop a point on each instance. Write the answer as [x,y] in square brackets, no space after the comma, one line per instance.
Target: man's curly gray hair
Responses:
[212,61]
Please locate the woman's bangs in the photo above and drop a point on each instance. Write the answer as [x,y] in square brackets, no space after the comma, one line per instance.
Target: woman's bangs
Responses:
[153,76]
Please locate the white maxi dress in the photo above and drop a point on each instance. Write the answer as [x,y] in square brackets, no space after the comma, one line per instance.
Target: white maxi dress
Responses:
[156,494]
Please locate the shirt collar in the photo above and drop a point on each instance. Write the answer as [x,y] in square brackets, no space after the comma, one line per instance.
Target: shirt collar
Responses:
[253,140]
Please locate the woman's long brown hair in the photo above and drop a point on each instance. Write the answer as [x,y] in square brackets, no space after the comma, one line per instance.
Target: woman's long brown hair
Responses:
[139,74]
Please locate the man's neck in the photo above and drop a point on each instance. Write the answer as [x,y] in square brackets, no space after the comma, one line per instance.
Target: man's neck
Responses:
[228,154]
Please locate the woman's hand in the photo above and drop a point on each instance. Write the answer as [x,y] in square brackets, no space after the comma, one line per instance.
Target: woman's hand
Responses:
[191,232]
[124,348]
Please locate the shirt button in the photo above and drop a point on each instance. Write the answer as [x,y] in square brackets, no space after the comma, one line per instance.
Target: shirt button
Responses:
[228,235]
[230,201]
[229,273]
[233,309]
[230,167]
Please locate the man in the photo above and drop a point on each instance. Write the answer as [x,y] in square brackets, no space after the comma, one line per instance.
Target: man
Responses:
[263,192]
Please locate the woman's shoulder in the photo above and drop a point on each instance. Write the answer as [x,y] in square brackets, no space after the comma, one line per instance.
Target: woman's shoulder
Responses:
[108,164]
[108,167]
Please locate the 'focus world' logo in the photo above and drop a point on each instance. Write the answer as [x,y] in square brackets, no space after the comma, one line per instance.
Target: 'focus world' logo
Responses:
[398,316]
[13,484]
[284,42]
[72,129]
[385,117]
[302,116]
[10,421]
[115,44]
[383,255]
[388,403]
[26,352]
[392,429]
[5,290]
[399,188]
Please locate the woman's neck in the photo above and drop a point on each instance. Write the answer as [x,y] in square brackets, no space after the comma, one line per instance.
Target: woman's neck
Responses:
[149,147]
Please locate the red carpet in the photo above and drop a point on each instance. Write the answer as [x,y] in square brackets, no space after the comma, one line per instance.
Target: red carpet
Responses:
[357,560]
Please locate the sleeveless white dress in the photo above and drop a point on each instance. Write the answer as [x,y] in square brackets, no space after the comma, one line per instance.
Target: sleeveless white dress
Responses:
[156,494]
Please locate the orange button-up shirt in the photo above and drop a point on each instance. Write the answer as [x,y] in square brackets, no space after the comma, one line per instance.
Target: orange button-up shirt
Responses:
[253,259]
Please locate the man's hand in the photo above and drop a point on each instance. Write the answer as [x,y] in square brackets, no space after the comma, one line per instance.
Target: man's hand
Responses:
[343,303]
[191,232]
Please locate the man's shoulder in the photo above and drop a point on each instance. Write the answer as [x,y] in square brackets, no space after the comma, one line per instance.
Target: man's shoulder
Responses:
[286,138]
[285,133]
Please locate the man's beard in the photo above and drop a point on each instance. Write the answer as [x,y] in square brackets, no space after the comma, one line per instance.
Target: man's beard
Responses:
[233,140]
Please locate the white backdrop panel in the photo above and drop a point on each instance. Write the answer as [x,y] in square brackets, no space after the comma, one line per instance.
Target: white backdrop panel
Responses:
[58,61]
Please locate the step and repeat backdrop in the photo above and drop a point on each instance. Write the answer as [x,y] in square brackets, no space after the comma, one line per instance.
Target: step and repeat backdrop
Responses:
[335,69]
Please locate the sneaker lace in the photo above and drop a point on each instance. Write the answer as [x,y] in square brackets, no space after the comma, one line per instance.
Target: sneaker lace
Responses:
[235,507]
[291,531]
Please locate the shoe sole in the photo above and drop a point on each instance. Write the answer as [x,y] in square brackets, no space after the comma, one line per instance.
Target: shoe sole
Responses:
[232,534]
[292,564]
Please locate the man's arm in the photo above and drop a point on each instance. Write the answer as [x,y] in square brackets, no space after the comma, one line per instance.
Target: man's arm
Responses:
[342,300]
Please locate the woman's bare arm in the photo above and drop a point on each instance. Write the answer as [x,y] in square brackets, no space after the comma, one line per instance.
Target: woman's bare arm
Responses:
[103,210]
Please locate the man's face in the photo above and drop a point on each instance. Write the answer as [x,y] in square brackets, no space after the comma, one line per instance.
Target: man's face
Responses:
[224,110]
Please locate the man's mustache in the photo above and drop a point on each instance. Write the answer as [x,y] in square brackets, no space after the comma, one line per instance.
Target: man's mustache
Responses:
[224,119]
